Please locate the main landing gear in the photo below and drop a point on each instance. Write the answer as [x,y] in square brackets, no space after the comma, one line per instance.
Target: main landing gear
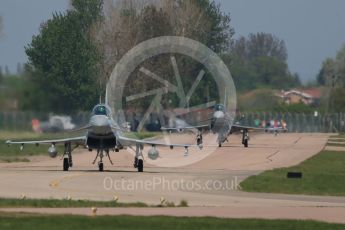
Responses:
[245,138]
[199,139]
[138,159]
[67,157]
[100,154]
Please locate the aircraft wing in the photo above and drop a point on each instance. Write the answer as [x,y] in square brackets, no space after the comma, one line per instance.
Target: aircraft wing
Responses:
[118,128]
[185,128]
[276,129]
[130,141]
[241,127]
[79,140]
[84,128]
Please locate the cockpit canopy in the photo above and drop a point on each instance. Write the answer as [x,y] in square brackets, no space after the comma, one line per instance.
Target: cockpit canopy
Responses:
[219,107]
[101,110]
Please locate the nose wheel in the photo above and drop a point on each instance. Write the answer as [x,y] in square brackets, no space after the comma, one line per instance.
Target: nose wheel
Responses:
[199,141]
[100,154]
[245,138]
[100,166]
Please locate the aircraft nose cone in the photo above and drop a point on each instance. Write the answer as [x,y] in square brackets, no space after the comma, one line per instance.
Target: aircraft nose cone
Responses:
[99,120]
[218,114]
[100,124]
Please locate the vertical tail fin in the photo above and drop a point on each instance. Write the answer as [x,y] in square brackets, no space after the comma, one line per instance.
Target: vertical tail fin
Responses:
[106,95]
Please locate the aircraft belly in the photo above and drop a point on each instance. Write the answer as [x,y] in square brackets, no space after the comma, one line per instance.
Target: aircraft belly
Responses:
[101,141]
[101,130]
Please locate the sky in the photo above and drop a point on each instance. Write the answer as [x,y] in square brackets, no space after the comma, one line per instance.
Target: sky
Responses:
[22,20]
[312,29]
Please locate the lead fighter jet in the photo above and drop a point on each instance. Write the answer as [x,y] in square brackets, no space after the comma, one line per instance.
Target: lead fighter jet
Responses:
[103,135]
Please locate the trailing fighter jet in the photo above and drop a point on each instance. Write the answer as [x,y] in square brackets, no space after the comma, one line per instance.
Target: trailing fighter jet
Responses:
[221,123]
[103,135]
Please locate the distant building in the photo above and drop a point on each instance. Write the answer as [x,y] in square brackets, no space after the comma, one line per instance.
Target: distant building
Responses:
[305,96]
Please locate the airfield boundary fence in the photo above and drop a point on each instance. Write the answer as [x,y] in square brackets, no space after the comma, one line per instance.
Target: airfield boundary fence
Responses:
[300,122]
[296,122]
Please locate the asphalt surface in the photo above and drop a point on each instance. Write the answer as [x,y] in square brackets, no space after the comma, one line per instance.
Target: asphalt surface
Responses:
[208,180]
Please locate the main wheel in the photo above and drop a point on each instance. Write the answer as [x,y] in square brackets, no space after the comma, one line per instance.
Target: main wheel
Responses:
[135,162]
[101,167]
[65,164]
[219,144]
[245,143]
[140,165]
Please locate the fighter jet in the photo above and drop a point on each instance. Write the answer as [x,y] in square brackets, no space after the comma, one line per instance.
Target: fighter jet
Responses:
[103,135]
[221,123]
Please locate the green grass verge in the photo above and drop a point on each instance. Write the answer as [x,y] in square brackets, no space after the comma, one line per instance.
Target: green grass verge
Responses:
[340,135]
[66,203]
[337,140]
[52,222]
[323,174]
[336,144]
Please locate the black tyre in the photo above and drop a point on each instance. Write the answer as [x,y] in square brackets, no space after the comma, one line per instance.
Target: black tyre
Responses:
[65,164]
[140,165]
[245,143]
[135,162]
[220,144]
[101,167]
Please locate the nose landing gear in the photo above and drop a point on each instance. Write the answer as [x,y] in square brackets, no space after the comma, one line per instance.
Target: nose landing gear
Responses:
[101,155]
[199,140]
[245,138]
[100,166]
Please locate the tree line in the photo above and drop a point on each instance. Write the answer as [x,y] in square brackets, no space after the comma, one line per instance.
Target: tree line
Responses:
[72,57]
[332,75]
[260,61]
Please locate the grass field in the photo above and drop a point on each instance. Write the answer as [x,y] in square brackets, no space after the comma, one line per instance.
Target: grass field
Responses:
[323,174]
[54,203]
[65,203]
[337,139]
[341,135]
[336,144]
[37,222]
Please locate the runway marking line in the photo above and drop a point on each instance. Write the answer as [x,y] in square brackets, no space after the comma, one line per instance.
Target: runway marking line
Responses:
[269,157]
[55,183]
[296,141]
